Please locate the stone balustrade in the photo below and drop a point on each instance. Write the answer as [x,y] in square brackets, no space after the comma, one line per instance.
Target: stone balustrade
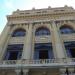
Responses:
[45,62]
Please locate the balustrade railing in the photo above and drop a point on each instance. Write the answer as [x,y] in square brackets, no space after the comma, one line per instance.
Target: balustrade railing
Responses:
[40,61]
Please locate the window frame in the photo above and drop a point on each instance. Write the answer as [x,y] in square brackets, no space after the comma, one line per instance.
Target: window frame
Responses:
[68,47]
[46,45]
[10,48]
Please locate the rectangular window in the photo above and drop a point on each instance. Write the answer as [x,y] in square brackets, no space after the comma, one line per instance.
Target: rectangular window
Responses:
[43,51]
[70,49]
[13,52]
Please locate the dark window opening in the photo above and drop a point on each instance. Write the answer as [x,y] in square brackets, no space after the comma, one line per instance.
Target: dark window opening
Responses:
[70,49]
[72,52]
[43,54]
[13,55]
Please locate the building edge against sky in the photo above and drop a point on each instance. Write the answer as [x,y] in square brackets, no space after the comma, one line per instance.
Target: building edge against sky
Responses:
[39,41]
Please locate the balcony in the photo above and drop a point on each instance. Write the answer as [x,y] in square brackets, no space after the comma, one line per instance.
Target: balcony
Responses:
[42,63]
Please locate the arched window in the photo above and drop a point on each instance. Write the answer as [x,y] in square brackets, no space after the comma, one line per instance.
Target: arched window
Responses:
[19,32]
[42,31]
[66,30]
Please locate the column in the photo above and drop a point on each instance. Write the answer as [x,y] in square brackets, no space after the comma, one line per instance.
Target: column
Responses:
[71,71]
[4,37]
[62,71]
[18,72]
[22,71]
[28,44]
[57,42]
[67,71]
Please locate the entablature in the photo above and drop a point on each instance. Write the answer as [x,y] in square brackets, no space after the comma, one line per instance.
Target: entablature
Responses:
[47,21]
[41,16]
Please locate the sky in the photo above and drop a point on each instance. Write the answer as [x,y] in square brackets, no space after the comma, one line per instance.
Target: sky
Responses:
[8,6]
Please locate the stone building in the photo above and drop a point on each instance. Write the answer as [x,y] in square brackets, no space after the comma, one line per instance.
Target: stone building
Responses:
[39,42]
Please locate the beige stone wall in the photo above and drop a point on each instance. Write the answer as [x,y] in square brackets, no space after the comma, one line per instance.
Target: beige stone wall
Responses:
[52,19]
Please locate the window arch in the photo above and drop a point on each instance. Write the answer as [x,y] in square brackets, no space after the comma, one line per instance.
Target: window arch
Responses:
[19,32]
[42,31]
[66,29]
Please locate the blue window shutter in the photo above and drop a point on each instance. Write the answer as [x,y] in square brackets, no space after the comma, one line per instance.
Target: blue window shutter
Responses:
[50,54]
[68,52]
[7,55]
[36,54]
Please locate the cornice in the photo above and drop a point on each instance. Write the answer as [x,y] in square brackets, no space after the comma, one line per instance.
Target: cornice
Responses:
[40,16]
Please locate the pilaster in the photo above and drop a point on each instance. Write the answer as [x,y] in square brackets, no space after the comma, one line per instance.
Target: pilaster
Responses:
[28,44]
[57,42]
[4,39]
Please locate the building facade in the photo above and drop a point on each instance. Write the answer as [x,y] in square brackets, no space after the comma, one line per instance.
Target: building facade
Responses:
[39,42]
